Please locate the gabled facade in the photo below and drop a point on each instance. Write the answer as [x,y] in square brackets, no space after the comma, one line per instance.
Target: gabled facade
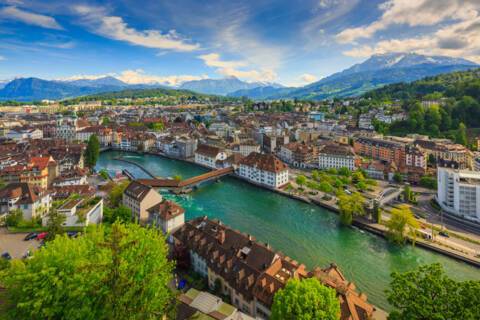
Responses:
[139,197]
[263,169]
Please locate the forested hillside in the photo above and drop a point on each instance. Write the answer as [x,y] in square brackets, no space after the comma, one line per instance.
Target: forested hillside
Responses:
[451,105]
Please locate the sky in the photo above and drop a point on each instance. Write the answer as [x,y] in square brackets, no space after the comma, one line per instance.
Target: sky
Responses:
[292,42]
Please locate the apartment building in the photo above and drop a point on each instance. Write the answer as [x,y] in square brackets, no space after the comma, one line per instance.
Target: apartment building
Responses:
[337,156]
[299,155]
[139,198]
[458,192]
[246,147]
[33,201]
[446,152]
[207,155]
[38,171]
[166,215]
[20,134]
[250,273]
[263,169]
[380,149]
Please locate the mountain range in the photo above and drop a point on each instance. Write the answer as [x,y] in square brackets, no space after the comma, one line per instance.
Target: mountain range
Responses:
[224,86]
[375,72]
[34,89]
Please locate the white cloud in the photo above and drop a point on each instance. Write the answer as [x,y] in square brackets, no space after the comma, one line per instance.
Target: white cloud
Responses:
[233,68]
[413,13]
[139,76]
[34,19]
[213,60]
[113,27]
[456,40]
[308,78]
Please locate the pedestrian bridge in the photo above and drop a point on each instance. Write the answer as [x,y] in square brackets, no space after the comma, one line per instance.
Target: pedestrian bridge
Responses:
[182,186]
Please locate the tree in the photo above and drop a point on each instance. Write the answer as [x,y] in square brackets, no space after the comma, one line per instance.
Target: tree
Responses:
[305,299]
[427,293]
[350,206]
[343,171]
[14,217]
[402,223]
[116,194]
[397,177]
[54,224]
[92,152]
[301,180]
[122,273]
[104,174]
[428,182]
[461,136]
[407,194]
[121,213]
[377,212]
[357,177]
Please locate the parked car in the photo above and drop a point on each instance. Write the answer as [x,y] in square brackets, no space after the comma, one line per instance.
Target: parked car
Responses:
[30,236]
[444,234]
[72,234]
[6,256]
[42,235]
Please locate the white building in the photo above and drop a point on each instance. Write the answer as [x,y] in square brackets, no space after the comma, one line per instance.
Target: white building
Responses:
[32,200]
[80,212]
[208,156]
[336,156]
[167,215]
[264,169]
[245,148]
[458,192]
[24,134]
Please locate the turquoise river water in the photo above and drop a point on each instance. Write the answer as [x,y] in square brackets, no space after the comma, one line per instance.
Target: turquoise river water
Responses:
[307,233]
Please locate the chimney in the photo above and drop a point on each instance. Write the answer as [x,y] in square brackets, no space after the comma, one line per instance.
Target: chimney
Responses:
[221,236]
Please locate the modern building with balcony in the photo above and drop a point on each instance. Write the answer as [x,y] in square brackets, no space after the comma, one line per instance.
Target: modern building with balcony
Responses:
[459,193]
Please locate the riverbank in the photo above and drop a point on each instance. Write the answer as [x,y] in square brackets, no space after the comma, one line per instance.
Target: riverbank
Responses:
[374,228]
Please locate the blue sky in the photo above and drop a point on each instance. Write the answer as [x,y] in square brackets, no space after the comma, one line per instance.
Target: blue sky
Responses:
[292,42]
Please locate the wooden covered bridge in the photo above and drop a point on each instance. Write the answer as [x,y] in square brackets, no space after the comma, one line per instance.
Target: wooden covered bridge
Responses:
[183,186]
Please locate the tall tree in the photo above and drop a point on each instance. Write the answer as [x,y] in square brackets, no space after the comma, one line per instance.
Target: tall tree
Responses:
[402,223]
[306,299]
[122,273]
[350,206]
[54,224]
[115,196]
[93,151]
[461,136]
[427,293]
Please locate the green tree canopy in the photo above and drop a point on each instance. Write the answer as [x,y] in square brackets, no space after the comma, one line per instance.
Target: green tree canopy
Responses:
[301,180]
[350,206]
[54,224]
[402,223]
[306,299]
[122,273]
[121,213]
[461,136]
[427,293]
[116,194]
[92,152]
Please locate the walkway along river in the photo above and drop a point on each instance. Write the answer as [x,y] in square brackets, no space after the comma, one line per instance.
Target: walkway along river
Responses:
[307,233]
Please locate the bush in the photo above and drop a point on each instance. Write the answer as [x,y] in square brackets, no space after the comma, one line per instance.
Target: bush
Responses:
[428,182]
[14,218]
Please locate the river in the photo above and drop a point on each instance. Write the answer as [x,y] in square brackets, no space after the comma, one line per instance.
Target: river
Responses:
[307,233]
